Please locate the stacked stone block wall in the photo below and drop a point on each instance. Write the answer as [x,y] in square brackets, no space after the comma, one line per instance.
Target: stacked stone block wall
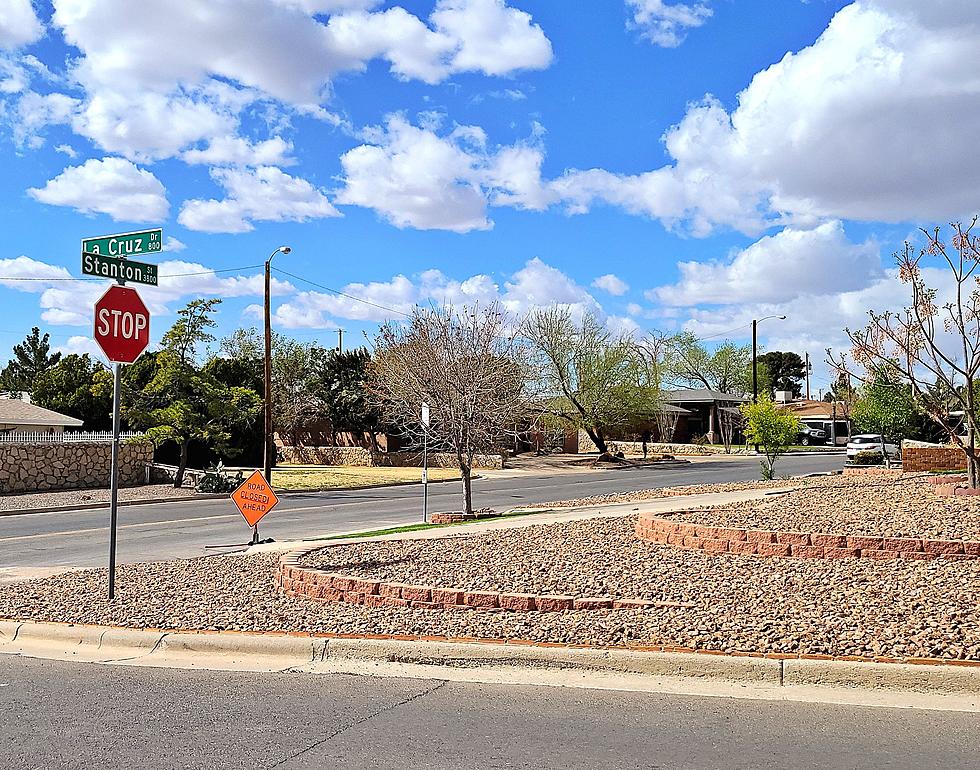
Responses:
[72,465]
[932,458]
[357,456]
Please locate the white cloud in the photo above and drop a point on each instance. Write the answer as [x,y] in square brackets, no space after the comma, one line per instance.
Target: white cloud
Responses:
[535,285]
[110,186]
[80,345]
[415,178]
[666,24]
[612,284]
[70,304]
[19,24]
[25,267]
[776,268]
[261,194]
[236,151]
[173,244]
[35,111]
[67,149]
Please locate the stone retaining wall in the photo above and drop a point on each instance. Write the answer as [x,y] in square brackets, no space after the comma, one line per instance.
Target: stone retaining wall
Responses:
[874,470]
[936,457]
[358,456]
[804,545]
[71,465]
[293,579]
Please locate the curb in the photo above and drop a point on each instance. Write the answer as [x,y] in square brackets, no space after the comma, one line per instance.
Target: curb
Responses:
[283,650]
[92,506]
[369,486]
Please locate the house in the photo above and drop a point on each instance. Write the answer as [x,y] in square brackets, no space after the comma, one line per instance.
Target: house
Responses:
[705,410]
[828,416]
[17,416]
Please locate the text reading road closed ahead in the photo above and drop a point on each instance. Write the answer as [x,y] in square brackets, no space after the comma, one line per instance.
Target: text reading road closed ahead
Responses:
[254,498]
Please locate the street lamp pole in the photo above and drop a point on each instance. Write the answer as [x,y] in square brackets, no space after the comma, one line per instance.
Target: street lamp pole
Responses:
[755,368]
[269,445]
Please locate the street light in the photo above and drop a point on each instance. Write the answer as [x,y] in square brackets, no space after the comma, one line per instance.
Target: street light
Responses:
[269,445]
[755,372]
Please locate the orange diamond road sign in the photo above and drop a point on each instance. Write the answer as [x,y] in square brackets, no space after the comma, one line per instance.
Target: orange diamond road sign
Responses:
[254,498]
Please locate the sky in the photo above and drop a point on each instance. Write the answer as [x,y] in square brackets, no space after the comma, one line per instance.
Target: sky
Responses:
[666,165]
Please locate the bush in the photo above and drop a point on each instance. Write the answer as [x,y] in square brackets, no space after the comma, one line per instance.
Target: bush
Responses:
[869,457]
[216,480]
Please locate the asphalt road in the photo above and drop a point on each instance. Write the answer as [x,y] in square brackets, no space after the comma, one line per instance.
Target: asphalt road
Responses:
[80,538]
[70,715]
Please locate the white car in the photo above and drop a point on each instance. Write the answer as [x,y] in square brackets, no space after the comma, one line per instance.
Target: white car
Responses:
[870,442]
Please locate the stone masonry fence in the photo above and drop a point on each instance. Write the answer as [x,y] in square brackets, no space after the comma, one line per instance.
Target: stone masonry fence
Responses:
[37,467]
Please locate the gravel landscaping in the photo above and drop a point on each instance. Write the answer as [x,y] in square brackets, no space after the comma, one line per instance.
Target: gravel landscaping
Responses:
[855,607]
[903,507]
[90,496]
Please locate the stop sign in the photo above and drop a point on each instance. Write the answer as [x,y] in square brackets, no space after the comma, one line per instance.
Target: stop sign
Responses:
[122,324]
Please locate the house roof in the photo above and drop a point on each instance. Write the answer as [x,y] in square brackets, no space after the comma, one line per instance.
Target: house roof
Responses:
[13,411]
[701,396]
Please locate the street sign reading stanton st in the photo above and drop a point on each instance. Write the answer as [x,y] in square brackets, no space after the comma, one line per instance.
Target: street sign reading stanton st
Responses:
[109,256]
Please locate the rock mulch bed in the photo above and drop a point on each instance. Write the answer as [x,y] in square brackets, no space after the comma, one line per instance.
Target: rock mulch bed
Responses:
[661,492]
[901,508]
[860,607]
[90,496]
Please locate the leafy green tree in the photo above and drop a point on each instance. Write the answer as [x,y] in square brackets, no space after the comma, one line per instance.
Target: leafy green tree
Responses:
[727,368]
[342,382]
[590,378]
[31,357]
[79,387]
[771,428]
[183,402]
[886,408]
[785,371]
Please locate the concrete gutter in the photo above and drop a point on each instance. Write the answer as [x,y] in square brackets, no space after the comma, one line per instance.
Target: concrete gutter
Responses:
[935,686]
[91,506]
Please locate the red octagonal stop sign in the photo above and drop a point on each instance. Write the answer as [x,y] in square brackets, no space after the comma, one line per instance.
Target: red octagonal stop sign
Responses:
[122,324]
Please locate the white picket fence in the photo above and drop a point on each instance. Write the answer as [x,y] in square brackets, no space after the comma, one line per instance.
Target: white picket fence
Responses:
[63,438]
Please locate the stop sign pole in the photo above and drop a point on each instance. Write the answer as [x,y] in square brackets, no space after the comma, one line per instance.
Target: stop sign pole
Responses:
[122,330]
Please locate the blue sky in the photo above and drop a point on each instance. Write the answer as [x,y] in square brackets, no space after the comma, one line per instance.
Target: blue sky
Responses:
[665,164]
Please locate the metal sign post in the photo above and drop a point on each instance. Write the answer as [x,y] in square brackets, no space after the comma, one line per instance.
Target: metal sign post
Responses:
[122,331]
[425,462]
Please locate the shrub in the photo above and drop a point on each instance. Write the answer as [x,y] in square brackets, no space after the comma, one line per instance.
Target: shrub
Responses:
[868,457]
[216,480]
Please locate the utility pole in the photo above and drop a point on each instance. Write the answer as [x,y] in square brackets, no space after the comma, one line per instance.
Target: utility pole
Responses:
[269,448]
[755,368]
[808,369]
[340,340]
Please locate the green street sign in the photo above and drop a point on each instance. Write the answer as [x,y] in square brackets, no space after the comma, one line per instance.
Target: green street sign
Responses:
[108,256]
[119,269]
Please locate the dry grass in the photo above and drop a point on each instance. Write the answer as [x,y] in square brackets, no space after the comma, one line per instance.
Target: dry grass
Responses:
[351,477]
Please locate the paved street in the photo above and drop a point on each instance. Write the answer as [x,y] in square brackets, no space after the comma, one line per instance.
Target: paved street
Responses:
[183,529]
[71,715]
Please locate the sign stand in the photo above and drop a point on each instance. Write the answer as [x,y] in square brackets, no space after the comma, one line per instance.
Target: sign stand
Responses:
[425,462]
[122,330]
[114,478]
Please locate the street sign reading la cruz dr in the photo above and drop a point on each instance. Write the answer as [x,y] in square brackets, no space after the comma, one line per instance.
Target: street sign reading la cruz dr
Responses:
[254,498]
[122,324]
[111,256]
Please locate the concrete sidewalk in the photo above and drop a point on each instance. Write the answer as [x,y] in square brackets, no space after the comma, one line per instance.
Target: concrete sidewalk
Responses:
[545,516]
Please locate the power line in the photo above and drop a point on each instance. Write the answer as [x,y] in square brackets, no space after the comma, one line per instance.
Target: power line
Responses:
[163,275]
[343,294]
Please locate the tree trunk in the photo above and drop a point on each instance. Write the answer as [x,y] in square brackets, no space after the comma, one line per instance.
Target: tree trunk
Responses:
[597,439]
[181,464]
[466,473]
[973,468]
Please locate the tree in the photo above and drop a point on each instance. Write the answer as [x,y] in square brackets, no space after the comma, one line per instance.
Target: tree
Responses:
[469,370]
[590,378]
[78,387]
[31,357]
[886,408]
[727,369]
[296,396]
[342,381]
[932,346]
[786,371]
[184,403]
[771,428]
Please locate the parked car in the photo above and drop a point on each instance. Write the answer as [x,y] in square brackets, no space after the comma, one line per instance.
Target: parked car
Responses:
[871,442]
[809,436]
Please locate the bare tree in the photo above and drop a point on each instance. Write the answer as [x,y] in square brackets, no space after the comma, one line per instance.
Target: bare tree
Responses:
[589,378]
[466,367]
[933,349]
